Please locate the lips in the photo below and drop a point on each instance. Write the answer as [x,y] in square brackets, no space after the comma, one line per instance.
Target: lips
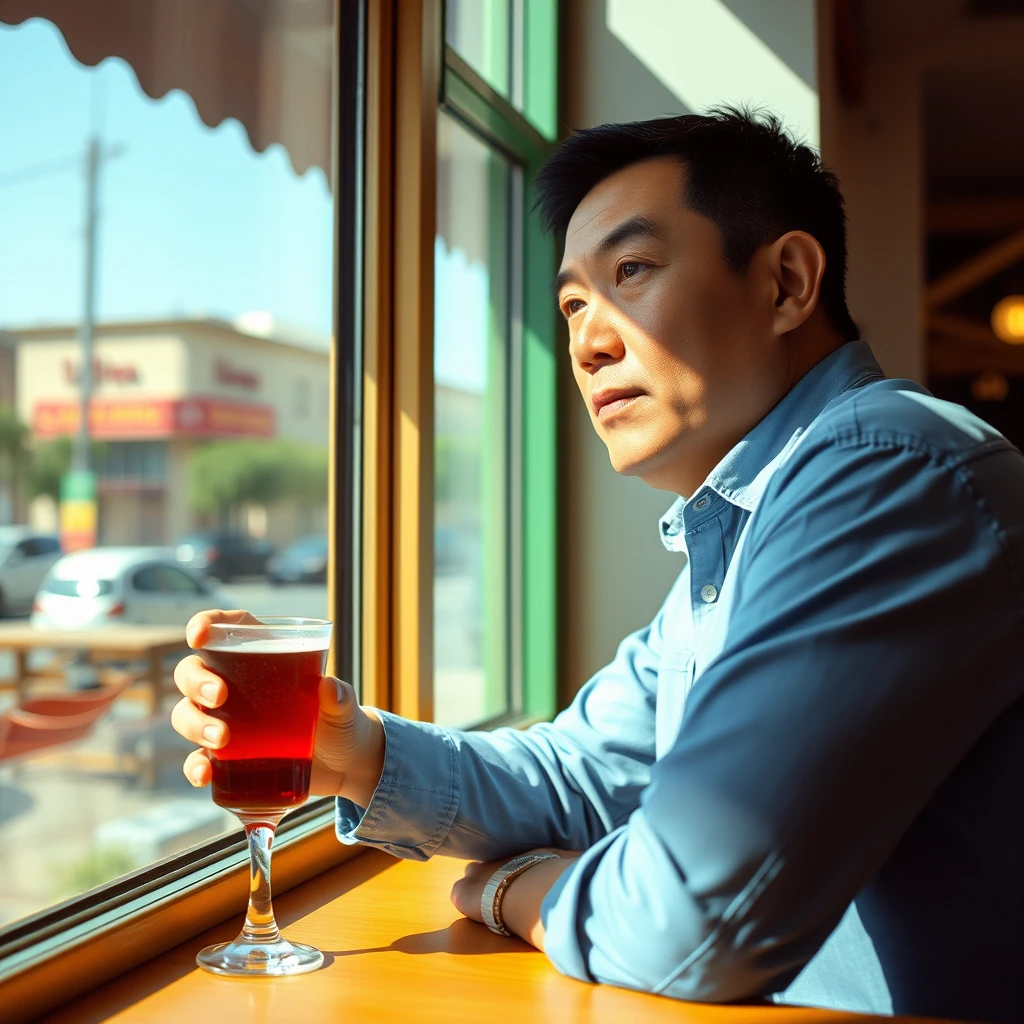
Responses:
[611,400]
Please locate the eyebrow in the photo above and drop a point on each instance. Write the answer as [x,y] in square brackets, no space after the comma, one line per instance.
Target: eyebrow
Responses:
[627,231]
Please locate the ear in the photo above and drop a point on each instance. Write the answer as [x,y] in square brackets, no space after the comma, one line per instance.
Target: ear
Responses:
[796,262]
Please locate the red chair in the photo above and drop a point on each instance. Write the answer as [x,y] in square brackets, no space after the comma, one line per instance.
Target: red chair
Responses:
[77,702]
[54,720]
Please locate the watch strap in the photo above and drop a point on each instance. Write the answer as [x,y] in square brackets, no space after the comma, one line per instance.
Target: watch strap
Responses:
[498,883]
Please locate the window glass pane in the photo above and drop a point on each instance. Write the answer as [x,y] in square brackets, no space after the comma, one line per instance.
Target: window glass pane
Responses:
[187,178]
[472,434]
[480,32]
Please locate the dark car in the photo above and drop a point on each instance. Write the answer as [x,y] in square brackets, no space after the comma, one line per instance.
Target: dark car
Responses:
[223,554]
[305,561]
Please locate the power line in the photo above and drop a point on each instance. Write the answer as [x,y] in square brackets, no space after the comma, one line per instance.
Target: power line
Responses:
[39,170]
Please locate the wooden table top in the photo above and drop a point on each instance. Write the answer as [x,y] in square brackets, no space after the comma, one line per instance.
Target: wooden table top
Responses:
[396,950]
[128,637]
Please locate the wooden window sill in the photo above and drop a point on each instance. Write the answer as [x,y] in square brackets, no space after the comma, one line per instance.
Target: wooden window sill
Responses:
[396,949]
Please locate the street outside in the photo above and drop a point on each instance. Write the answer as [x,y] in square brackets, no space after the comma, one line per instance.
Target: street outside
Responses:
[75,816]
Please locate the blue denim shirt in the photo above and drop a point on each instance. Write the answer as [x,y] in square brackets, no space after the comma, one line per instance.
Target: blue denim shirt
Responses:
[805,777]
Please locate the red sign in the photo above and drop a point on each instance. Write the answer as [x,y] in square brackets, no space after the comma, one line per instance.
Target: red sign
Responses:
[101,371]
[234,375]
[155,418]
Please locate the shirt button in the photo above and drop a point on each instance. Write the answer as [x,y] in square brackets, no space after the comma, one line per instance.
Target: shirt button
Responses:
[708,593]
[701,503]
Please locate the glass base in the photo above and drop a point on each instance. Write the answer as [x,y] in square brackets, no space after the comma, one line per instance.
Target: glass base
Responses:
[250,959]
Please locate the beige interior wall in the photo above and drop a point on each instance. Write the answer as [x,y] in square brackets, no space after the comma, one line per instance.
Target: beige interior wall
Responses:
[876,148]
[614,572]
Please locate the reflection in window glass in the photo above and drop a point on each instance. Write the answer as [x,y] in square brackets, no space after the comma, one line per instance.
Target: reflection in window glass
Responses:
[482,33]
[205,145]
[471,423]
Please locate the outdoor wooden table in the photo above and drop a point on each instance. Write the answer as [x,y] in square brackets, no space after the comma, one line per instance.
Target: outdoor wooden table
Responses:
[125,642]
[396,950]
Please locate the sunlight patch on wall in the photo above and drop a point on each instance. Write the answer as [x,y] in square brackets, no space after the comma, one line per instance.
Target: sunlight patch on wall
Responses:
[702,52]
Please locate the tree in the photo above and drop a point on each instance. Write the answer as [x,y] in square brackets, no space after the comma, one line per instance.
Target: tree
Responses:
[51,460]
[14,453]
[227,474]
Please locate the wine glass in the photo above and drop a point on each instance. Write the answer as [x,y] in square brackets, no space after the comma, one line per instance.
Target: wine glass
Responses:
[272,670]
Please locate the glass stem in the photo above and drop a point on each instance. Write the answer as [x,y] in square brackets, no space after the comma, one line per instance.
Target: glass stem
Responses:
[260,926]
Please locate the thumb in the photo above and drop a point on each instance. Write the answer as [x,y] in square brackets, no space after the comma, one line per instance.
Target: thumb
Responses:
[337,699]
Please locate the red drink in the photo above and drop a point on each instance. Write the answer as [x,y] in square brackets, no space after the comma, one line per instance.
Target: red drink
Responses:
[271,710]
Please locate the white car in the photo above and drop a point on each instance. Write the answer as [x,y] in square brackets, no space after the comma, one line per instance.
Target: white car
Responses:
[26,556]
[106,586]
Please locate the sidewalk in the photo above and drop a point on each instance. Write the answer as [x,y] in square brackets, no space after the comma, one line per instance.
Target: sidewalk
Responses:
[53,807]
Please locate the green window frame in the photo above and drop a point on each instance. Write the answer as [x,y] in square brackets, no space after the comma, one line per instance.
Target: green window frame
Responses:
[525,137]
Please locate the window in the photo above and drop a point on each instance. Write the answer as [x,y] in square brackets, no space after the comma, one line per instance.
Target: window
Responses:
[473,366]
[485,33]
[493,373]
[214,150]
[124,462]
[164,579]
[255,288]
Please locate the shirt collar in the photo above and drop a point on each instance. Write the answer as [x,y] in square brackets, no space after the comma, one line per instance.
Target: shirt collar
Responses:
[742,476]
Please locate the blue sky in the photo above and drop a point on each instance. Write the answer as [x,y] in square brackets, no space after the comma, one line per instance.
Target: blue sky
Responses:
[193,220]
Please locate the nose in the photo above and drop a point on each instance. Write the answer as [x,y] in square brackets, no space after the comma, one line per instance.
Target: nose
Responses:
[596,341]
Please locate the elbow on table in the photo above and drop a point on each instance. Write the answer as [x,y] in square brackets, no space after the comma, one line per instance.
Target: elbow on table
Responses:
[711,973]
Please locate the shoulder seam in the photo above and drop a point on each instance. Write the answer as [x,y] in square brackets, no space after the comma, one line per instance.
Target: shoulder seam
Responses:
[853,437]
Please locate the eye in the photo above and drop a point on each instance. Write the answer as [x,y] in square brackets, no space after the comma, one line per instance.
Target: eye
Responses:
[631,269]
[572,307]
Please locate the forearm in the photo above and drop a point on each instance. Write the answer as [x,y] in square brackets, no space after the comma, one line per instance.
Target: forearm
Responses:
[483,795]
[521,905]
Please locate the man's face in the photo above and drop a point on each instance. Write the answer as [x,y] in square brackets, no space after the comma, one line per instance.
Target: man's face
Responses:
[673,352]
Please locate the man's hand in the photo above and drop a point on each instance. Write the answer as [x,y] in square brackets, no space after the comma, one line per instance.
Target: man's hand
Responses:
[520,906]
[348,755]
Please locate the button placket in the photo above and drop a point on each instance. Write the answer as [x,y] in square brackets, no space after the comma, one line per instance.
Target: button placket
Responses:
[706,566]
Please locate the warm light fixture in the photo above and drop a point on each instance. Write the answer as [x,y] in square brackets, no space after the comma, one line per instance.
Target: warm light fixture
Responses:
[1008,319]
[990,387]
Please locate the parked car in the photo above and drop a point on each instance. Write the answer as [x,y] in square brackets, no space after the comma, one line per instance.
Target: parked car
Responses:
[224,554]
[25,558]
[105,586]
[305,561]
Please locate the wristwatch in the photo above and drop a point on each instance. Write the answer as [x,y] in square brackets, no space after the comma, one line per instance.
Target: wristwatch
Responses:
[494,890]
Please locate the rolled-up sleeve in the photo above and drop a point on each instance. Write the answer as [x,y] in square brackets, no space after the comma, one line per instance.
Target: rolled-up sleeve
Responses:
[814,739]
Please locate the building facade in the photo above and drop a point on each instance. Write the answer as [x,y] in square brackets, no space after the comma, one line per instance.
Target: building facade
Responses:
[162,390]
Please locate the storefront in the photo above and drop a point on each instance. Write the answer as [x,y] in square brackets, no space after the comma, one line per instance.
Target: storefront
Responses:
[162,390]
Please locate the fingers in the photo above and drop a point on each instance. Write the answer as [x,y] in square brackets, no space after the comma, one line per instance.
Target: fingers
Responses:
[198,683]
[197,769]
[190,722]
[197,632]
[468,890]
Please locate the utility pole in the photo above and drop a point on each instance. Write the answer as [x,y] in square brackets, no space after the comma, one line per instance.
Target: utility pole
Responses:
[93,156]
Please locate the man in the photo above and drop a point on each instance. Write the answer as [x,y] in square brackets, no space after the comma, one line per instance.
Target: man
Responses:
[805,778]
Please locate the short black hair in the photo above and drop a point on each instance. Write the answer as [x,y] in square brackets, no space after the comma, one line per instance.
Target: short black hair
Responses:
[744,172]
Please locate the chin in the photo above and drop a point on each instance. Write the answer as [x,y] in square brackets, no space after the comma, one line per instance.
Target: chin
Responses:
[654,464]
[635,463]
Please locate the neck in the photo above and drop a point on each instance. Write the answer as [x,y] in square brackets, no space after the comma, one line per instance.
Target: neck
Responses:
[803,349]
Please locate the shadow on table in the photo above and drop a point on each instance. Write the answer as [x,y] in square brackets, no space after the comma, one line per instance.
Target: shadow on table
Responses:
[167,968]
[462,937]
